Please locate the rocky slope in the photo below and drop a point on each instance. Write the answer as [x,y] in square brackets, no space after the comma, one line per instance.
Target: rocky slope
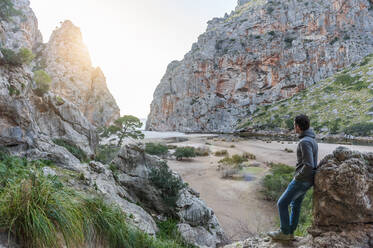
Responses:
[334,105]
[66,59]
[262,52]
[30,122]
[343,194]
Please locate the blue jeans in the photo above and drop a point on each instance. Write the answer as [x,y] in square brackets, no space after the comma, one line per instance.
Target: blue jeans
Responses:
[292,196]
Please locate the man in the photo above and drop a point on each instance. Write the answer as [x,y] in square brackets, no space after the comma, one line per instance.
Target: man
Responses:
[303,180]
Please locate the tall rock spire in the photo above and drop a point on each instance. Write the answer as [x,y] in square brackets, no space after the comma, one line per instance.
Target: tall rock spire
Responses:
[69,64]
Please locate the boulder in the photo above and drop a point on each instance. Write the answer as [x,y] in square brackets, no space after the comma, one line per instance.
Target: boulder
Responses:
[344,188]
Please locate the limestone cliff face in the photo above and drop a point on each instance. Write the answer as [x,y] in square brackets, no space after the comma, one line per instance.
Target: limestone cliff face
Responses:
[262,52]
[67,61]
[28,123]
[22,31]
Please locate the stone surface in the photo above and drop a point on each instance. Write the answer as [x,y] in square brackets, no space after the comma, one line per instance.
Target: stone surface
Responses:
[262,52]
[198,223]
[344,188]
[66,59]
[342,211]
[22,31]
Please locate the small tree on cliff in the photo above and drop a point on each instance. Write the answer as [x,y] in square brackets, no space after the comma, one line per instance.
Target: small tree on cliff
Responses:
[125,126]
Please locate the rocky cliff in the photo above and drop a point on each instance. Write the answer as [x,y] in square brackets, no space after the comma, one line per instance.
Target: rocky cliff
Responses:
[342,210]
[28,123]
[262,52]
[66,59]
[337,105]
[31,122]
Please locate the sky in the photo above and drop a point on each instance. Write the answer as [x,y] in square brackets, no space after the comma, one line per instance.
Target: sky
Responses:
[133,41]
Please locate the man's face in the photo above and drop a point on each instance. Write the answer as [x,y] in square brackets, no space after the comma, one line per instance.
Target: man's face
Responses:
[296,128]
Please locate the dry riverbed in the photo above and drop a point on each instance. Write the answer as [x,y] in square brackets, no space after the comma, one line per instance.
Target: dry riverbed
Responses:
[238,203]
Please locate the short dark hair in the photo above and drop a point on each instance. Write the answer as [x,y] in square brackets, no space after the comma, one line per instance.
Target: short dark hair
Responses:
[303,122]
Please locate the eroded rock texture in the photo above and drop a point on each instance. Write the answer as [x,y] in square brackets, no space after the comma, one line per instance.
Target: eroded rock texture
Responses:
[342,205]
[30,122]
[262,52]
[67,61]
[344,192]
[197,222]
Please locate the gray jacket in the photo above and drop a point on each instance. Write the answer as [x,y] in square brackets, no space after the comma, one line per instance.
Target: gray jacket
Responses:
[307,157]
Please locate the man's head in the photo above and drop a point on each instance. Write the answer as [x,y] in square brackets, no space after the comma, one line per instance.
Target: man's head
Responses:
[301,123]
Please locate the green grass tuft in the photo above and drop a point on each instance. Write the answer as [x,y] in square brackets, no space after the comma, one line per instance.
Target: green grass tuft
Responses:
[40,211]
[276,183]
[73,149]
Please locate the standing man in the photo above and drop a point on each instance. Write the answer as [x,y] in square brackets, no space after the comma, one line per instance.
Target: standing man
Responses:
[303,180]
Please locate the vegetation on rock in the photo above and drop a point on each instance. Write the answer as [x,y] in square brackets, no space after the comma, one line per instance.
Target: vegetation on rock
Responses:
[168,231]
[169,184]
[7,10]
[341,103]
[73,149]
[40,211]
[106,153]
[43,81]
[24,56]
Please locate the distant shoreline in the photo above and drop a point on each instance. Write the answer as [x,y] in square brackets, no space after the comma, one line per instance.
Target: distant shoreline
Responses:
[264,135]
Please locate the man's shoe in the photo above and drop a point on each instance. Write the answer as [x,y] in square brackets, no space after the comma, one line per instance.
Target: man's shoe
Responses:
[279,235]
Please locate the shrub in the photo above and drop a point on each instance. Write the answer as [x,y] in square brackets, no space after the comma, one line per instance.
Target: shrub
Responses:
[289,41]
[169,184]
[168,231]
[59,101]
[43,81]
[202,151]
[334,126]
[289,123]
[345,79]
[106,153]
[13,91]
[221,153]
[228,172]
[73,149]
[288,150]
[306,217]
[360,129]
[276,183]
[39,212]
[156,149]
[24,56]
[10,57]
[7,10]
[270,10]
[248,155]
[334,40]
[184,152]
[365,61]
[230,166]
